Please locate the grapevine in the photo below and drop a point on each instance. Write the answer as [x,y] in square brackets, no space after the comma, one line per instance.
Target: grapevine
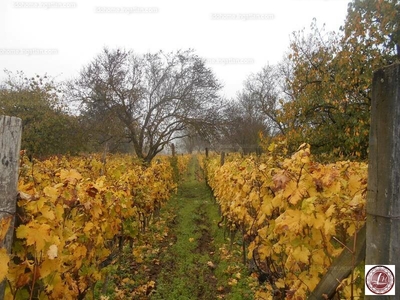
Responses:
[296,213]
[74,214]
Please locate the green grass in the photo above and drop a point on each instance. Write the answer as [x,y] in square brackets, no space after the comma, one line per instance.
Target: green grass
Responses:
[186,273]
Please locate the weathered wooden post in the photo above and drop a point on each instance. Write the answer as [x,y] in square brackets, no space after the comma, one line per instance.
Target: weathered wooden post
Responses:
[383,198]
[172,149]
[10,143]
[222,162]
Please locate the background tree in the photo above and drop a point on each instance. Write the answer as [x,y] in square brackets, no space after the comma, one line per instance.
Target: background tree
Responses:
[156,97]
[48,128]
[104,130]
[194,141]
[243,122]
[314,91]
[329,85]
[374,26]
[262,93]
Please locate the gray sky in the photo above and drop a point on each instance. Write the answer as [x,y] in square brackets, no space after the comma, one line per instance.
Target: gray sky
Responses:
[236,37]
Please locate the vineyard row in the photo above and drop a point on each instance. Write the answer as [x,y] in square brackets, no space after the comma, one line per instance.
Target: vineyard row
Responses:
[74,216]
[296,215]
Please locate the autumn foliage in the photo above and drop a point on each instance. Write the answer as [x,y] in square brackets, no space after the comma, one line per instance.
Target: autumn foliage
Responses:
[297,215]
[74,215]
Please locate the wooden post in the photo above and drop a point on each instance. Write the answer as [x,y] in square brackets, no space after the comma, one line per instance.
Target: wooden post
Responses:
[383,198]
[10,143]
[222,158]
[173,149]
[206,152]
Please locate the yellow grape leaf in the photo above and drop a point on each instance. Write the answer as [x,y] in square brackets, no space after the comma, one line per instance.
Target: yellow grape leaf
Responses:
[99,240]
[254,198]
[70,175]
[246,188]
[52,253]
[47,267]
[89,226]
[4,260]
[357,200]
[263,295]
[51,193]
[305,159]
[4,225]
[289,220]
[330,227]
[280,283]
[301,254]
[351,229]
[330,210]
[41,236]
[312,282]
[334,188]
[35,206]
[297,195]
[48,213]
[307,206]
[266,208]
[59,212]
[22,231]
[261,219]
[37,234]
[271,147]
[277,201]
[57,287]
[262,167]
[318,257]
[354,184]
[80,251]
[319,221]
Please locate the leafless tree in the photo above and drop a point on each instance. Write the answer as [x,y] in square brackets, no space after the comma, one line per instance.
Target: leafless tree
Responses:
[243,121]
[156,97]
[263,89]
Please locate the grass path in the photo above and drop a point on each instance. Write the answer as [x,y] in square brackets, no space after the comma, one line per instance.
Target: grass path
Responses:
[188,267]
[194,266]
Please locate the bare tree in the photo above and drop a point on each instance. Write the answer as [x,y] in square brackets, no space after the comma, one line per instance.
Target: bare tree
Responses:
[263,89]
[243,121]
[156,96]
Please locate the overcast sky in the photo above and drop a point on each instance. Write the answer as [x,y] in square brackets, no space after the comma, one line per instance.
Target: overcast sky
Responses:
[235,37]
